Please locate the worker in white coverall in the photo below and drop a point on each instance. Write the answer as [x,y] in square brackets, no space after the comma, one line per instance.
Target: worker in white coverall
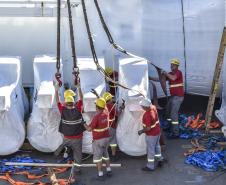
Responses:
[151,127]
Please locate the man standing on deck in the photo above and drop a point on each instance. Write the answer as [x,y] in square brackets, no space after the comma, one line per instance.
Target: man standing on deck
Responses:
[151,127]
[176,86]
[71,125]
[100,131]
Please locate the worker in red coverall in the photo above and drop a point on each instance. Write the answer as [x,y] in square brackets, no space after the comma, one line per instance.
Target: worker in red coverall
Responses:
[151,127]
[71,125]
[100,131]
[176,85]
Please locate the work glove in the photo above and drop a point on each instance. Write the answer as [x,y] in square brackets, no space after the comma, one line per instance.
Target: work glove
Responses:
[56,86]
[76,86]
[163,72]
[140,132]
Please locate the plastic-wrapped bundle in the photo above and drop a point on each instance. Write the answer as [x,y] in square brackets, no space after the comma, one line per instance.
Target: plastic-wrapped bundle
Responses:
[209,160]
[204,23]
[45,118]
[221,113]
[90,79]
[13,105]
[130,120]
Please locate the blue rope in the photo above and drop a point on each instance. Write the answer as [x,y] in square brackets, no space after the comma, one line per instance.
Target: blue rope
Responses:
[5,169]
[208,160]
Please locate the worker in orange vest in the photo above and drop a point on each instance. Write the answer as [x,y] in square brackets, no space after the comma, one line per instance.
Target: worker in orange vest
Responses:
[176,86]
[113,114]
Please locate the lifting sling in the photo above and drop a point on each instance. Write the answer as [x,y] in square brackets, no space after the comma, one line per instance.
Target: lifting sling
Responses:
[99,68]
[122,50]
[75,61]
[58,74]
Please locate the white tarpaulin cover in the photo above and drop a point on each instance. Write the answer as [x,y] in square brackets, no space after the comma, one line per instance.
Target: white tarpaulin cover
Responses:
[196,46]
[90,79]
[42,131]
[13,105]
[221,113]
[133,74]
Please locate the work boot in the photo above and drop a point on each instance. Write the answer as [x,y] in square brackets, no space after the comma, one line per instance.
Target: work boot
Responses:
[172,136]
[100,178]
[114,158]
[160,164]
[147,169]
[109,173]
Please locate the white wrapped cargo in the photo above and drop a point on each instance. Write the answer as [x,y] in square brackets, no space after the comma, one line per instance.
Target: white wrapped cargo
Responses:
[221,113]
[196,46]
[133,74]
[13,106]
[42,130]
[91,78]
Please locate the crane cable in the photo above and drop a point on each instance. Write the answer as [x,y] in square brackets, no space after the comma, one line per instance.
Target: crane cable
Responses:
[58,74]
[95,58]
[122,50]
[73,51]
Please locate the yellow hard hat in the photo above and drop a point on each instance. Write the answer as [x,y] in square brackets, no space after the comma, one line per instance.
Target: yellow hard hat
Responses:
[69,99]
[107,96]
[108,70]
[100,102]
[69,92]
[175,61]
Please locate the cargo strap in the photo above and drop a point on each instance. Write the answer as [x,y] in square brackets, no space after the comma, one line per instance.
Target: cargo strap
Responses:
[122,50]
[30,176]
[8,178]
[95,58]
[196,148]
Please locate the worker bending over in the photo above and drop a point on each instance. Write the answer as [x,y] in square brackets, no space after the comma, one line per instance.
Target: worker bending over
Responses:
[151,127]
[71,125]
[100,131]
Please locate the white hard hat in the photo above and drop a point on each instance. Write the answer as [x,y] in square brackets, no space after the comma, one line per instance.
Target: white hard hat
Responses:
[145,102]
